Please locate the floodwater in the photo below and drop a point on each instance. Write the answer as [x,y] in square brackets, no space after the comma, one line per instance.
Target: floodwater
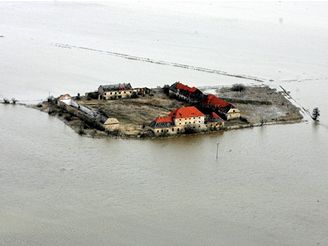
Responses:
[269,185]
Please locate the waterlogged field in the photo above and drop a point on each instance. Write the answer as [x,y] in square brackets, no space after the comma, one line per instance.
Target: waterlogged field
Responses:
[58,188]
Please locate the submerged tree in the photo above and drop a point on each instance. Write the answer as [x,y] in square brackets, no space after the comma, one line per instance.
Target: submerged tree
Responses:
[6,101]
[315,114]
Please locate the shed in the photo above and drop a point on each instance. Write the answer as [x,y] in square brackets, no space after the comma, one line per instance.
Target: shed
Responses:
[66,99]
[111,124]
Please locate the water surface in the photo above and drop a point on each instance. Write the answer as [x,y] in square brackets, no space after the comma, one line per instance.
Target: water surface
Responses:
[58,188]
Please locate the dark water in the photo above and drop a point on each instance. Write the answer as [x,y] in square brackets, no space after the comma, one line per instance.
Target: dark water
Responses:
[269,186]
[58,188]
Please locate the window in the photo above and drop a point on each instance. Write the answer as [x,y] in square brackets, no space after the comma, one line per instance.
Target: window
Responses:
[161,130]
[172,129]
[157,130]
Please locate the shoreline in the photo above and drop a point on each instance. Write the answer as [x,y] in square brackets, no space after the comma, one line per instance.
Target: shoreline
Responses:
[276,109]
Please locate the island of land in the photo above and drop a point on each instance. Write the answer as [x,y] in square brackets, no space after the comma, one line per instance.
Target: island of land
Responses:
[122,111]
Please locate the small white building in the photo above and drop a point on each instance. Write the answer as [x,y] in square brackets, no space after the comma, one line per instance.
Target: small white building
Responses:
[233,113]
[112,124]
[65,99]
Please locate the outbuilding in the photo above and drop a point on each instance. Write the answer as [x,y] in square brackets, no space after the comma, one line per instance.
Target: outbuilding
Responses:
[112,124]
[65,99]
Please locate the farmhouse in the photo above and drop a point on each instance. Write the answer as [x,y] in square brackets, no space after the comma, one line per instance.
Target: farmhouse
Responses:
[163,125]
[221,107]
[180,120]
[209,103]
[185,93]
[118,91]
[214,121]
[115,91]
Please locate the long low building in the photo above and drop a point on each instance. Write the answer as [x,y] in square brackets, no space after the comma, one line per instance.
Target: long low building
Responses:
[186,93]
[120,91]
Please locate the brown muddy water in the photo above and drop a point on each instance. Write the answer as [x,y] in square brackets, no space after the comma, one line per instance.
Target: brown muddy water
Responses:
[58,188]
[269,185]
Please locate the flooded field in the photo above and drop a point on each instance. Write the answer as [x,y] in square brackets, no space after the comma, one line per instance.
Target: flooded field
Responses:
[268,186]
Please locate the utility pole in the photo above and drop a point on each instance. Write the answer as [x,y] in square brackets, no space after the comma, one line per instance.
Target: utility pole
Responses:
[217,151]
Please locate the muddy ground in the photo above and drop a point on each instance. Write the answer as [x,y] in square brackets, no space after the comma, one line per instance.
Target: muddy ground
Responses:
[258,106]
[261,104]
[135,114]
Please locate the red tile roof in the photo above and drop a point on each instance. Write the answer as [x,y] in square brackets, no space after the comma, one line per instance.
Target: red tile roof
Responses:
[166,119]
[181,86]
[215,115]
[186,112]
[215,101]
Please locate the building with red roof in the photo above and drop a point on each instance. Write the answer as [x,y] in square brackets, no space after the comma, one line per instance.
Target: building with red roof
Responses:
[183,87]
[185,93]
[162,122]
[223,108]
[179,120]
[215,116]
[208,103]
[186,112]
[215,101]
[214,121]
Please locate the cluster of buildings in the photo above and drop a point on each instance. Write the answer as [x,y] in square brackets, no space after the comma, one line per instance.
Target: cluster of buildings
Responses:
[209,112]
[66,99]
[207,102]
[119,91]
[186,119]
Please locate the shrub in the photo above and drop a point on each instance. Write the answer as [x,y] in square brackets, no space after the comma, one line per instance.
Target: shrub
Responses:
[81,130]
[238,87]
[166,89]
[68,117]
[6,101]
[190,130]
[134,95]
